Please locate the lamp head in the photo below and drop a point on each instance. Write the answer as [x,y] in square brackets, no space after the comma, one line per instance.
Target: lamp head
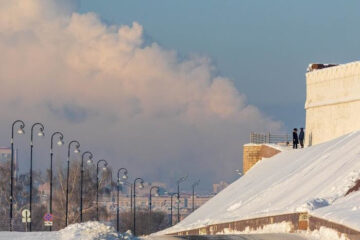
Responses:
[125,176]
[76,150]
[21,131]
[157,192]
[89,161]
[60,143]
[141,185]
[41,133]
[105,166]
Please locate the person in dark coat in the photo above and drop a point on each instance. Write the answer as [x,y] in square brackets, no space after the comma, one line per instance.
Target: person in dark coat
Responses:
[295,138]
[301,137]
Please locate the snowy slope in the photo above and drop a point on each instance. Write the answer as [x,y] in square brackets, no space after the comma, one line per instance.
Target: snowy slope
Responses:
[292,181]
[344,211]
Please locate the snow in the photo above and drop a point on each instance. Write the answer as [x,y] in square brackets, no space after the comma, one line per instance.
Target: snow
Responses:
[79,231]
[345,211]
[313,179]
[324,233]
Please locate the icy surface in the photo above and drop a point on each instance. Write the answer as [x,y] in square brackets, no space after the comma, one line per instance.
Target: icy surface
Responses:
[314,179]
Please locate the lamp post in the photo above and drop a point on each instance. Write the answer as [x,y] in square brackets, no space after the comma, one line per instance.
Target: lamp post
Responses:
[178,196]
[134,192]
[77,146]
[131,198]
[97,185]
[20,131]
[150,195]
[60,143]
[81,179]
[193,193]
[125,172]
[40,134]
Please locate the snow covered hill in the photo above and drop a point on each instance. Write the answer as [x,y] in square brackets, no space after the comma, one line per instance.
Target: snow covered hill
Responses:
[314,179]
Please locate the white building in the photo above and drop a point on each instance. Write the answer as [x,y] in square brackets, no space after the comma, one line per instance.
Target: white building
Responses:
[332,101]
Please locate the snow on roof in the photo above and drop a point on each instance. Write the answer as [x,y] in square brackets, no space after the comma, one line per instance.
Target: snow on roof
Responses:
[314,179]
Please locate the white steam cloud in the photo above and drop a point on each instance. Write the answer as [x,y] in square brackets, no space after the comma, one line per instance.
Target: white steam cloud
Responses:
[136,104]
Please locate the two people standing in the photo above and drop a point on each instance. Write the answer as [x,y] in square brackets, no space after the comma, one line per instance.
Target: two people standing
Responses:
[297,139]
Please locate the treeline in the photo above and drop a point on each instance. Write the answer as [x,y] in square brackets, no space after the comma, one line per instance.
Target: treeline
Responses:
[146,223]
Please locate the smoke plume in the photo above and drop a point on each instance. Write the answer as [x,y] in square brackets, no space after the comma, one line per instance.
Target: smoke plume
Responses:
[136,104]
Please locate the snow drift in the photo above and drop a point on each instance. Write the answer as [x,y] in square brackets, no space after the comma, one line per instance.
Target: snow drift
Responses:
[314,179]
[78,231]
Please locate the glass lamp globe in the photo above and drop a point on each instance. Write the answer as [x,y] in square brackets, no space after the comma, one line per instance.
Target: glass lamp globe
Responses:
[21,131]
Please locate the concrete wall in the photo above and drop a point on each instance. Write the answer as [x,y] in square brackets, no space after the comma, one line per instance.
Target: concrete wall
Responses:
[332,102]
[299,221]
[255,152]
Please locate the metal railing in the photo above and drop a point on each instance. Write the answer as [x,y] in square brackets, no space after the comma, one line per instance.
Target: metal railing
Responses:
[259,138]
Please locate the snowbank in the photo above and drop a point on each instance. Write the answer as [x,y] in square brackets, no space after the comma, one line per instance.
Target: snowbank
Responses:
[300,180]
[324,233]
[87,231]
[345,211]
[79,231]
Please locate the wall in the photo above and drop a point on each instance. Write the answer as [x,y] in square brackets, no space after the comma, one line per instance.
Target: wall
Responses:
[332,102]
[298,221]
[255,152]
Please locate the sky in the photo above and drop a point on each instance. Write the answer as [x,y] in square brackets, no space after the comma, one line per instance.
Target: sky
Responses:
[263,46]
[164,88]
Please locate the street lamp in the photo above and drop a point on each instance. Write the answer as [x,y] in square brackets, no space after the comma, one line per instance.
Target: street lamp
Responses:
[40,134]
[134,192]
[193,193]
[97,185]
[89,161]
[19,131]
[76,150]
[125,176]
[178,196]
[150,195]
[59,143]
[171,207]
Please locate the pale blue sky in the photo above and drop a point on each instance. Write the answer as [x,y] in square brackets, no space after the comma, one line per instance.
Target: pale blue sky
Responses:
[263,46]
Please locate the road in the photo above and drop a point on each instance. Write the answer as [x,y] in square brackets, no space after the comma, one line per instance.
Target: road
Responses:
[272,236]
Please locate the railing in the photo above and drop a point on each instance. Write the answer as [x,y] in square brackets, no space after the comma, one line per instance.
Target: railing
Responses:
[259,138]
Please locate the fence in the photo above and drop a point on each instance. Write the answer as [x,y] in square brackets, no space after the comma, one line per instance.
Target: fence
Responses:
[259,138]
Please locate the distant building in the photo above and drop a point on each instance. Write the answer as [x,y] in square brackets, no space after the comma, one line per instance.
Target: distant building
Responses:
[332,101]
[218,187]
[159,203]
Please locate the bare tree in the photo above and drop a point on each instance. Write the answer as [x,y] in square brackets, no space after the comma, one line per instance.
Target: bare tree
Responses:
[89,194]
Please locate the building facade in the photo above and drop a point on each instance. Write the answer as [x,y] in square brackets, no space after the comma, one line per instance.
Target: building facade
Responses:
[332,101]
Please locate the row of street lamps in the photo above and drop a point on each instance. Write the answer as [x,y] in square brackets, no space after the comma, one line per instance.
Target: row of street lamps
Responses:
[76,145]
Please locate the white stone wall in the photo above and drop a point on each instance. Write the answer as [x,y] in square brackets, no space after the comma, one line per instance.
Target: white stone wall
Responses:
[332,102]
